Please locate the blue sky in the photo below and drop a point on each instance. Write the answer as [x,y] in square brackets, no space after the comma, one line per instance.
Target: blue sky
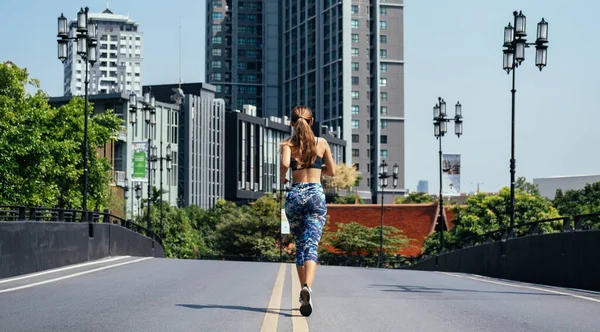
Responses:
[453,49]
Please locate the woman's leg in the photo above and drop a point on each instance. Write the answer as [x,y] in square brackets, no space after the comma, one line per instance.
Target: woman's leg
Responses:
[313,231]
[301,274]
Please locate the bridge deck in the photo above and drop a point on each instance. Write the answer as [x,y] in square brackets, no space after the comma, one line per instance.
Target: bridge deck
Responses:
[186,295]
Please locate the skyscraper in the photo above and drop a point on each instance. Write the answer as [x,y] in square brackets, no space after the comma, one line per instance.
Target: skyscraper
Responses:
[423,186]
[242,53]
[343,59]
[119,65]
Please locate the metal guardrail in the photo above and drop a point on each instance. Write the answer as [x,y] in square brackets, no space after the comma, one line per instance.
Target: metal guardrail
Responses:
[10,213]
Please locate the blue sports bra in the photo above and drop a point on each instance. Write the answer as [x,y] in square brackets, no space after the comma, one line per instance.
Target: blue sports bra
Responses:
[317,164]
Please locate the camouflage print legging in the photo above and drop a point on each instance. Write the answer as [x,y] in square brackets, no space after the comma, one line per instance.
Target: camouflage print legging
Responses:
[305,209]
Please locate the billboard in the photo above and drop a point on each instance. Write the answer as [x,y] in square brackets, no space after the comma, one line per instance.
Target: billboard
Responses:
[451,175]
[140,158]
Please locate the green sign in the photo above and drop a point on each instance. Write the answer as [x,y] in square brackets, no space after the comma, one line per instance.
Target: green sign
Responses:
[139,165]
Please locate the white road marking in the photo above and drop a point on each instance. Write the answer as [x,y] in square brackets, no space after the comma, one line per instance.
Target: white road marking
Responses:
[522,286]
[70,267]
[72,275]
[274,307]
[299,323]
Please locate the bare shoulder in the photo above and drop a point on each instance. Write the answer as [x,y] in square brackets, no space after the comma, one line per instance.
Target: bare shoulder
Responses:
[323,142]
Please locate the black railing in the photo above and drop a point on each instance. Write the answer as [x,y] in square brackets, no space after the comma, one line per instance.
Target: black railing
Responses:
[22,213]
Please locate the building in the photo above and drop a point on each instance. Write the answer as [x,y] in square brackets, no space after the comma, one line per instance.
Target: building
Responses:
[549,185]
[423,186]
[242,53]
[200,132]
[252,156]
[119,65]
[119,152]
[343,59]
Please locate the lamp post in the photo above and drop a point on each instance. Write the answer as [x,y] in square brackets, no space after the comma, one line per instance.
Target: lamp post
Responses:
[515,43]
[138,195]
[126,196]
[87,41]
[168,162]
[395,181]
[440,127]
[383,183]
[149,110]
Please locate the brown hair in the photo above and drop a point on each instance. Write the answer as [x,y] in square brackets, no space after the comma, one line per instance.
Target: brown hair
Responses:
[303,138]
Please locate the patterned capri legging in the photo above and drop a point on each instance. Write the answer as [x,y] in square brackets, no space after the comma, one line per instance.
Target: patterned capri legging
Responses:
[306,211]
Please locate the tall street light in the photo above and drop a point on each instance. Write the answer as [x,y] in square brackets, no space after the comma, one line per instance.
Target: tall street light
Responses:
[440,128]
[138,195]
[149,110]
[87,41]
[126,196]
[168,160]
[515,43]
[383,183]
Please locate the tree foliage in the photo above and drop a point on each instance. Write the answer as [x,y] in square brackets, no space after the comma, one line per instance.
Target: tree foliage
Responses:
[484,213]
[577,202]
[354,239]
[414,198]
[345,177]
[41,147]
[526,186]
[349,199]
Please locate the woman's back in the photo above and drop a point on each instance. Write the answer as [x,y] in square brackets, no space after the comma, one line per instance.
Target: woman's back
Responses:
[311,173]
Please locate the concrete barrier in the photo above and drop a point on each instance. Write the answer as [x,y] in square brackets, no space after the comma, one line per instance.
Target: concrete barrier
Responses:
[33,246]
[560,259]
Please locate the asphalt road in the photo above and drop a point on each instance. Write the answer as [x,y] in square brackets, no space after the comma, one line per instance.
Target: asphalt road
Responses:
[180,295]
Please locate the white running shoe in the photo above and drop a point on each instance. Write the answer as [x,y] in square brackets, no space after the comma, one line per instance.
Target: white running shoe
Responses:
[306,301]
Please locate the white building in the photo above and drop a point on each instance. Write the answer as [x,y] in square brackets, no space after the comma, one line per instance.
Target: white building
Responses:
[119,65]
[548,186]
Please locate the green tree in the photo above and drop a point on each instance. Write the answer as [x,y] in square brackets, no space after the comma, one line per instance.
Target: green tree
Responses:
[484,213]
[41,147]
[526,186]
[349,199]
[414,198]
[354,239]
[583,201]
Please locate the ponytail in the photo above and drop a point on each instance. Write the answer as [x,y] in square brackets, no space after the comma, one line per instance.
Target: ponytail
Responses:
[303,137]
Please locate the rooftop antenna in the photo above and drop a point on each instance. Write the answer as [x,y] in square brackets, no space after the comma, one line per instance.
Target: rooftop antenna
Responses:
[107,4]
[180,52]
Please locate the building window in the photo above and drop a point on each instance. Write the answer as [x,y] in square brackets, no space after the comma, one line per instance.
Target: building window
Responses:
[216,64]
[383,95]
[355,109]
[384,154]
[217,16]
[215,76]
[354,24]
[384,110]
[383,53]
[355,66]
[217,40]
[354,95]
[383,139]
[355,52]
[219,88]
[354,80]
[216,28]
[217,3]
[355,138]
[355,38]
[354,124]
[384,124]
[383,25]
[355,153]
[383,11]
[383,81]
[354,9]
[216,52]
[383,39]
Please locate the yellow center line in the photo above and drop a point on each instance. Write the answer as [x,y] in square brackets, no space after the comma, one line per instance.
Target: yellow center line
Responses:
[274,308]
[299,323]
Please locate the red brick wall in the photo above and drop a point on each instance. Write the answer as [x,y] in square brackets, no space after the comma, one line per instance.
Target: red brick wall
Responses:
[417,221]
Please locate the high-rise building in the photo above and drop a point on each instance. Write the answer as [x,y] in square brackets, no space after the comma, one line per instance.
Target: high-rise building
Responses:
[199,131]
[343,59]
[423,186]
[242,53]
[119,65]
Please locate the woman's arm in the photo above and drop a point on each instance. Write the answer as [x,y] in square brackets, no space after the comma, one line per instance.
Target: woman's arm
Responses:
[286,154]
[329,168]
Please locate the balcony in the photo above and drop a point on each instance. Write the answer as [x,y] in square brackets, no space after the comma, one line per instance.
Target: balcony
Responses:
[123,134]
[119,178]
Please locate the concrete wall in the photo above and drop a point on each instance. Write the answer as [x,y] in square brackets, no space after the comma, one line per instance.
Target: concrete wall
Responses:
[560,259]
[30,246]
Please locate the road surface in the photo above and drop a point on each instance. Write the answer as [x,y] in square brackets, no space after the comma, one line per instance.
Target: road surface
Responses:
[139,294]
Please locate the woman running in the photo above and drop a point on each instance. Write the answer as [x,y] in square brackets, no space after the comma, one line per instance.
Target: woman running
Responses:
[308,157]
